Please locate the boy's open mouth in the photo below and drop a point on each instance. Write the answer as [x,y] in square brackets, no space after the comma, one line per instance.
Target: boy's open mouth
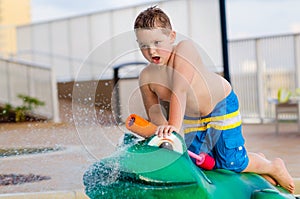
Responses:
[156,59]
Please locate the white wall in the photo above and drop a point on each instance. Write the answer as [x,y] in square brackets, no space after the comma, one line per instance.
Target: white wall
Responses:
[66,43]
[88,46]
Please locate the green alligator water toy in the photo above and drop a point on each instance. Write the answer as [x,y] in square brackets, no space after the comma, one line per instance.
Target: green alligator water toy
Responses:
[142,170]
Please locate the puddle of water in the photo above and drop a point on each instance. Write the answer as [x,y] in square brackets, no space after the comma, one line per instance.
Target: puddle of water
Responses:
[26,151]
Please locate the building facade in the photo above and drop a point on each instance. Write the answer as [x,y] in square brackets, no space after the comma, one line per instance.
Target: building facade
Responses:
[12,14]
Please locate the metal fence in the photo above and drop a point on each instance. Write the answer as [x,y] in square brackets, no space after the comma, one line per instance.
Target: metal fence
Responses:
[259,67]
[100,38]
[20,77]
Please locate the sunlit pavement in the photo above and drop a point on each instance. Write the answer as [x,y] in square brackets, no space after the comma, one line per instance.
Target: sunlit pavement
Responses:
[87,144]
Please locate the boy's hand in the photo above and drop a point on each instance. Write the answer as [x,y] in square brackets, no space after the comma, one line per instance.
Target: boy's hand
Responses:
[165,130]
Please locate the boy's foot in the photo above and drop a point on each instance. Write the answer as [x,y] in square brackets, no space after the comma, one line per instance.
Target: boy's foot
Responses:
[282,176]
[269,179]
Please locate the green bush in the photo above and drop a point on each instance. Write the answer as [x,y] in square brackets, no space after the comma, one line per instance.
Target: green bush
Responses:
[28,104]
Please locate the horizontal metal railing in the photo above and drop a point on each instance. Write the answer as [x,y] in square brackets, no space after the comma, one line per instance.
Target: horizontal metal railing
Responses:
[259,67]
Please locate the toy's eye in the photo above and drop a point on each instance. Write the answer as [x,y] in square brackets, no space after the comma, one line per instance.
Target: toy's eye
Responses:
[166,145]
[171,142]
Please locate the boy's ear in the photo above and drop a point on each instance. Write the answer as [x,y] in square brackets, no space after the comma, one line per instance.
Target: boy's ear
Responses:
[172,36]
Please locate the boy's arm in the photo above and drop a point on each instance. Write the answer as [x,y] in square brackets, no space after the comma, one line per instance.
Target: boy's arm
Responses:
[151,102]
[182,77]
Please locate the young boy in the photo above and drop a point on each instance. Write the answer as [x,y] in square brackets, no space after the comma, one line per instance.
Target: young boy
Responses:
[201,100]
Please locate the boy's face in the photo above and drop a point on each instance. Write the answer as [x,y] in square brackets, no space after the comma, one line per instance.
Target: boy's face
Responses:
[156,46]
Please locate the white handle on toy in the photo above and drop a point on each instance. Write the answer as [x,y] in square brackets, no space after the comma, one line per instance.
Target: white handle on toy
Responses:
[172,139]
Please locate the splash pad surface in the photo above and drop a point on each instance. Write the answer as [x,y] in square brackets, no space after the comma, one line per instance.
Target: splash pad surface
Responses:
[260,138]
[64,167]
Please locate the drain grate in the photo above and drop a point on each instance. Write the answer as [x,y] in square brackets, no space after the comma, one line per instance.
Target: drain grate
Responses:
[23,151]
[15,179]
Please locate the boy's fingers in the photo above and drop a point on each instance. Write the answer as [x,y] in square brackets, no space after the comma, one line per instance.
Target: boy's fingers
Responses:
[170,131]
[160,131]
[164,131]
[159,134]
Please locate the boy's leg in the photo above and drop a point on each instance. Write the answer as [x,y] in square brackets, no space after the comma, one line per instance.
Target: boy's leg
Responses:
[276,169]
[267,177]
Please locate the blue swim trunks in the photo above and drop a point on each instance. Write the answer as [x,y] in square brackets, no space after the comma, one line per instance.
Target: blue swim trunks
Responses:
[219,134]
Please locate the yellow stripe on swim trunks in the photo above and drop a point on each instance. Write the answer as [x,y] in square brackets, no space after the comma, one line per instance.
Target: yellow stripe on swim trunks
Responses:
[203,128]
[211,119]
[224,122]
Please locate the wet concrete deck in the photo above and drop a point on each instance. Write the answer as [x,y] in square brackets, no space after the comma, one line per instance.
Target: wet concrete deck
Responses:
[87,144]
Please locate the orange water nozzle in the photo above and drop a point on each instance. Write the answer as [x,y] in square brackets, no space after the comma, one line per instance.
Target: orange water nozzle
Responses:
[140,126]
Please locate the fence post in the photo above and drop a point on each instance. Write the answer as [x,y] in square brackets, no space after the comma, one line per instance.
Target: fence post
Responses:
[297,67]
[260,79]
[9,95]
[54,94]
[297,58]
[116,102]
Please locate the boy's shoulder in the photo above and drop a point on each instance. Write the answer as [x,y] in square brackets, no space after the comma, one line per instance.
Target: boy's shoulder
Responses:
[185,47]
[185,44]
[147,72]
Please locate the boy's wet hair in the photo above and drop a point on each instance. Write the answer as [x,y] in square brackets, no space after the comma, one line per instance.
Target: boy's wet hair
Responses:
[151,18]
